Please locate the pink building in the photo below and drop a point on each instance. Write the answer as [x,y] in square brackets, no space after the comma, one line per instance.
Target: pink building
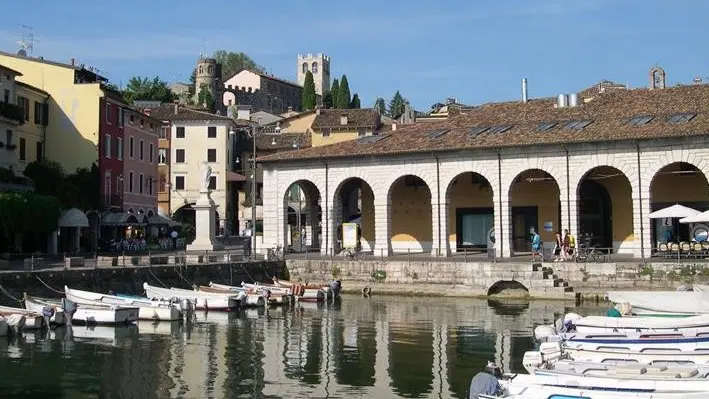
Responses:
[140,166]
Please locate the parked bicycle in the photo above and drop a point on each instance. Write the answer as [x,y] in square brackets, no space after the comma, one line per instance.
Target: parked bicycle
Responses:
[589,253]
[275,253]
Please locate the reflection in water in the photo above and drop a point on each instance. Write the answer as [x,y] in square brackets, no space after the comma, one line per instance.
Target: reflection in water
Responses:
[378,347]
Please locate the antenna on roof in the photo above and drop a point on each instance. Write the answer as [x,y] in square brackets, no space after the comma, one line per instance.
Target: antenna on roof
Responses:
[27,41]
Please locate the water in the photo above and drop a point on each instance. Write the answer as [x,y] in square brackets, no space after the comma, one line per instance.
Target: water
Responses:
[381,347]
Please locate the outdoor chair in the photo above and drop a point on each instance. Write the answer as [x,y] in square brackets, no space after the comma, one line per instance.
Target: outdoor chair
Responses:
[663,250]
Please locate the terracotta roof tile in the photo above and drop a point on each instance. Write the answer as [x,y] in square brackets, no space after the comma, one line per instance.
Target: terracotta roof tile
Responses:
[366,117]
[283,141]
[166,112]
[609,112]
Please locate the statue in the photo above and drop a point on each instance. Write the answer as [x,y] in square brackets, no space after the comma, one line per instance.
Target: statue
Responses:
[206,176]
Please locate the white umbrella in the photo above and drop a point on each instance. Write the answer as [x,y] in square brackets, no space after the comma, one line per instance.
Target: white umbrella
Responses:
[699,218]
[674,211]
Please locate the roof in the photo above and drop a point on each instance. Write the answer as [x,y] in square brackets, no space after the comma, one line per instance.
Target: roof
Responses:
[79,67]
[519,124]
[23,84]
[265,76]
[282,141]
[16,73]
[330,118]
[296,115]
[166,112]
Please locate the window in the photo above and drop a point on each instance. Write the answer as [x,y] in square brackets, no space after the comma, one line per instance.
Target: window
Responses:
[179,156]
[436,133]
[162,155]
[23,149]
[130,182]
[577,125]
[140,184]
[108,113]
[130,147]
[150,153]
[107,146]
[212,132]
[142,144]
[544,126]
[212,155]
[164,131]
[7,96]
[150,185]
[45,114]
[39,156]
[326,132]
[305,67]
[212,183]
[180,133]
[132,119]
[24,103]
[315,68]
[640,120]
[8,138]
[119,117]
[179,182]
[475,130]
[37,113]
[119,149]
[499,129]
[680,118]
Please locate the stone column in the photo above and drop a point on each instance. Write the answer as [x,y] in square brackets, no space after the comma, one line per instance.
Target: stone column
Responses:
[439,219]
[503,229]
[642,227]
[382,226]
[204,210]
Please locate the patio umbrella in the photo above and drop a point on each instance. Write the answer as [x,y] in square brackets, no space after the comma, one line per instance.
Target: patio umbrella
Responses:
[699,218]
[674,211]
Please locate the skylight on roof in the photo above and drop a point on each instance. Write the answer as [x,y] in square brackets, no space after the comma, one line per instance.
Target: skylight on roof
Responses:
[640,120]
[680,118]
[371,139]
[544,126]
[499,129]
[436,133]
[577,125]
[475,130]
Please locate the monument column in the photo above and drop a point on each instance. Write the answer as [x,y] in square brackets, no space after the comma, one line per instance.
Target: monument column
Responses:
[204,212]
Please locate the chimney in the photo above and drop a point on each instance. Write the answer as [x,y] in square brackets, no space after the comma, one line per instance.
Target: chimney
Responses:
[73,61]
[573,100]
[524,90]
[290,108]
[343,119]
[176,106]
[562,101]
[317,110]
[393,126]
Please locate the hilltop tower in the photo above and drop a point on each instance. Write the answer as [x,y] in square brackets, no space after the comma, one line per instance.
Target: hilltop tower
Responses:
[207,74]
[319,65]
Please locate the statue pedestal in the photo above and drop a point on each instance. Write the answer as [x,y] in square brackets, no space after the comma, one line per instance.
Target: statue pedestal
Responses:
[204,212]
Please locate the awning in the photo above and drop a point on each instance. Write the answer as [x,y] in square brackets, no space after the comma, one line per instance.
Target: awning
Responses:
[699,218]
[73,218]
[158,220]
[674,211]
[122,219]
[233,176]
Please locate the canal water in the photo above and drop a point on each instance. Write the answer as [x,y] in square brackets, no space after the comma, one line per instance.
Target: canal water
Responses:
[378,347]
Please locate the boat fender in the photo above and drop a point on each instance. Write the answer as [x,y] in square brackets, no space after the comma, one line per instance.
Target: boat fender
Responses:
[366,291]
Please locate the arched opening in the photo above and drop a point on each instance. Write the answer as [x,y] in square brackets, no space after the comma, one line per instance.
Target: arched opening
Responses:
[303,216]
[186,217]
[470,212]
[411,223]
[511,288]
[354,203]
[315,68]
[677,183]
[305,67]
[534,206]
[605,209]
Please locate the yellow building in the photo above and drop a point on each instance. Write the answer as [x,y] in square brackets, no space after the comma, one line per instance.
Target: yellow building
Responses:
[73,107]
[332,126]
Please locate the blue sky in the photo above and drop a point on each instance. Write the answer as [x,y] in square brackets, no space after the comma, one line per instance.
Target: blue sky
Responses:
[476,51]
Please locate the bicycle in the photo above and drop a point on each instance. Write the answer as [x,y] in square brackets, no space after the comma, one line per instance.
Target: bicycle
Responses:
[587,252]
[276,252]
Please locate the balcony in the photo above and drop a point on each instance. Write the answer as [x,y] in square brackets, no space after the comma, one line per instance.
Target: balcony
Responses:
[12,112]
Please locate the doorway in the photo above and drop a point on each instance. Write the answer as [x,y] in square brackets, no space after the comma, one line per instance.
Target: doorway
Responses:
[524,218]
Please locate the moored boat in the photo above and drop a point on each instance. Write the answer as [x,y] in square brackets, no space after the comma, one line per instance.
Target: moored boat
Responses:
[57,314]
[307,292]
[4,329]
[250,299]
[200,299]
[663,302]
[692,325]
[147,309]
[96,314]
[33,320]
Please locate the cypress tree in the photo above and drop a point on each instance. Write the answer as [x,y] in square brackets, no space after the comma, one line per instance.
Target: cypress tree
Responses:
[343,93]
[396,106]
[309,98]
[380,106]
[327,99]
[355,102]
[335,91]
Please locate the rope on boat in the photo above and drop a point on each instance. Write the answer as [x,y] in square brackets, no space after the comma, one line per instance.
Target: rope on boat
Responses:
[48,287]
[177,269]
[247,273]
[156,277]
[8,295]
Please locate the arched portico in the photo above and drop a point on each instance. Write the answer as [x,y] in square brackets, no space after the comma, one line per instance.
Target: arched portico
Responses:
[411,212]
[353,202]
[302,217]
[469,207]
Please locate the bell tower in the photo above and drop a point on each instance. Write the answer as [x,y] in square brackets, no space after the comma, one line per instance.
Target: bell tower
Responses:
[319,65]
[206,74]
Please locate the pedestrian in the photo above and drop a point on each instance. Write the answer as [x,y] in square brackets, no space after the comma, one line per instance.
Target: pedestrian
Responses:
[536,245]
[571,249]
[558,245]
[174,239]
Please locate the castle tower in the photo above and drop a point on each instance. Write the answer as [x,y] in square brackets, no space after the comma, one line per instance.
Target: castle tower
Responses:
[207,74]
[657,78]
[319,65]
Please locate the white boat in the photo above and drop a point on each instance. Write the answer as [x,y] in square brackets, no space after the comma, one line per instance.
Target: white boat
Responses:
[273,295]
[525,386]
[663,302]
[700,287]
[249,299]
[58,315]
[103,314]
[697,325]
[306,292]
[633,341]
[33,320]
[14,321]
[147,309]
[4,329]
[201,300]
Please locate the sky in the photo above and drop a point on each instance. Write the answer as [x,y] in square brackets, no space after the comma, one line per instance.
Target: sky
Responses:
[474,51]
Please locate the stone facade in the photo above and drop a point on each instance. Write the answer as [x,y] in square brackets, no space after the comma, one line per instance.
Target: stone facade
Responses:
[639,161]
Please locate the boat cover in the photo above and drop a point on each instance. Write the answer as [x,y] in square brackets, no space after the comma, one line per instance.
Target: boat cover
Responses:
[483,384]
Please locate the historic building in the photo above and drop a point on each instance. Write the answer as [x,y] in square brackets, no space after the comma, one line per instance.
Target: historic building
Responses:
[262,92]
[140,166]
[319,66]
[596,163]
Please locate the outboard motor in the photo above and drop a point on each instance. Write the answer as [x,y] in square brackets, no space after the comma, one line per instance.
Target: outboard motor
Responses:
[486,382]
[336,287]
[187,308]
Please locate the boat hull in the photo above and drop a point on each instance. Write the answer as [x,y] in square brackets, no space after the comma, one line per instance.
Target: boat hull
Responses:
[683,302]
[201,300]
[147,309]
[4,329]
[33,320]
[58,317]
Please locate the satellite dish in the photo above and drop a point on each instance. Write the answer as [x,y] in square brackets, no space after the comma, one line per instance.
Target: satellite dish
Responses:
[22,53]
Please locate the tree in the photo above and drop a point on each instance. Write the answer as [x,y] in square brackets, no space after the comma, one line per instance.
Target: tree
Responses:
[343,93]
[205,99]
[380,106]
[355,103]
[396,105]
[82,189]
[335,90]
[143,88]
[235,62]
[327,100]
[48,177]
[309,98]
[193,83]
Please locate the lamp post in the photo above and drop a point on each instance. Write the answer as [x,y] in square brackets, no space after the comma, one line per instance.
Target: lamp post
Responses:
[253,191]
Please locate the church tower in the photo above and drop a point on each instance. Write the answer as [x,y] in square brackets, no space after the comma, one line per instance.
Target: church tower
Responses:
[207,74]
[319,65]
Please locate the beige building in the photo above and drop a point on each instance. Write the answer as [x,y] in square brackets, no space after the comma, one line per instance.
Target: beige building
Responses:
[319,66]
[332,126]
[262,92]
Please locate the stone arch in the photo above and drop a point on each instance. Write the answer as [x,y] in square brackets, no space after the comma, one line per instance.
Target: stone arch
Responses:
[667,158]
[353,201]
[604,196]
[534,203]
[509,176]
[470,211]
[301,228]
[411,214]
[314,68]
[501,286]
[305,67]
